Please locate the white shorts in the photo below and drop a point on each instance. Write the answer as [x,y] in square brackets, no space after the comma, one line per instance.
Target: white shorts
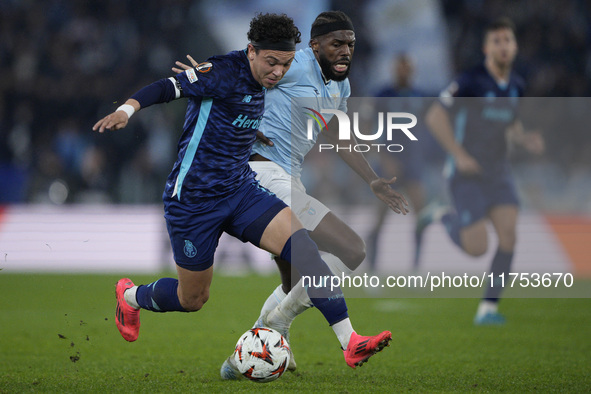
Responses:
[309,210]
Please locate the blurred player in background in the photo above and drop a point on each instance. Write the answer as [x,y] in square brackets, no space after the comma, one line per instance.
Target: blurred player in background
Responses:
[320,73]
[408,164]
[212,189]
[480,180]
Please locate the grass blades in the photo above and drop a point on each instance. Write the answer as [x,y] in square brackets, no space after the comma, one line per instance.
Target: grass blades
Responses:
[57,334]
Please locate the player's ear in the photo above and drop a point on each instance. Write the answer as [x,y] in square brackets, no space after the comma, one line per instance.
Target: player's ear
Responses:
[251,52]
[314,44]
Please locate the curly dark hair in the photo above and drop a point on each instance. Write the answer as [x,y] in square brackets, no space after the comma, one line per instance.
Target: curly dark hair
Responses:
[273,28]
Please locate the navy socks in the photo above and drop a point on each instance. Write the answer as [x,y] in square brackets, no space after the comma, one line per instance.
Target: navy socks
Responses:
[302,253]
[160,296]
[501,264]
[299,250]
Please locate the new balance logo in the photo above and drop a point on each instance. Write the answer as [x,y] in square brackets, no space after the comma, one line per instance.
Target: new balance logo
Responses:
[247,98]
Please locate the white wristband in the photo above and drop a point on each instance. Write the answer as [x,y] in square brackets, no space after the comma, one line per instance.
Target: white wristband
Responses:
[128,109]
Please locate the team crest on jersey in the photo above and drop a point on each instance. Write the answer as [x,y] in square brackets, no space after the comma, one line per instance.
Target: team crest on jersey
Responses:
[191,76]
[204,67]
[308,209]
[190,249]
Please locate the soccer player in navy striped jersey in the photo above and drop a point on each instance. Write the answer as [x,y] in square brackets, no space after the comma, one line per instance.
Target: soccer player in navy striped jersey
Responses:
[481,184]
[212,189]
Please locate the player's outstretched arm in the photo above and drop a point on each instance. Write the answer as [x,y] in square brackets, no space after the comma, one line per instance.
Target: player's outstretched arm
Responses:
[161,91]
[379,186]
[118,119]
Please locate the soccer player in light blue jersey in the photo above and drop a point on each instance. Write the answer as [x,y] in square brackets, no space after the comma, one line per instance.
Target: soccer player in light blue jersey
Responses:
[212,188]
[318,73]
[474,133]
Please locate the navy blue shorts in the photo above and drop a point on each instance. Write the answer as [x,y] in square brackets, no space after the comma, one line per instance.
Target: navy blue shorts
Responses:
[195,229]
[475,196]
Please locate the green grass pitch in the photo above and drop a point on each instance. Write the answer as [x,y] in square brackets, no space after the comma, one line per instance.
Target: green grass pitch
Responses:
[57,334]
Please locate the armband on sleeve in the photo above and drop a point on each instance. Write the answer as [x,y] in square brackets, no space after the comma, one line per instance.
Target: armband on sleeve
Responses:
[161,91]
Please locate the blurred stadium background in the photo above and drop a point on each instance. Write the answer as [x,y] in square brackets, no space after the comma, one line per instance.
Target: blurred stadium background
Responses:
[75,200]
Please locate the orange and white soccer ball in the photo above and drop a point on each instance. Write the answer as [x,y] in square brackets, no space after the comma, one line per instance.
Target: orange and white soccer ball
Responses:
[262,354]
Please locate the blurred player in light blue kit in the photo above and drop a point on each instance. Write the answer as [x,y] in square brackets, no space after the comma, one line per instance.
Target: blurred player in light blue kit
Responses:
[474,133]
[319,74]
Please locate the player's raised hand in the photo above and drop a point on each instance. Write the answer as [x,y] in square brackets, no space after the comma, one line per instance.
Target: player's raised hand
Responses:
[382,189]
[183,66]
[115,121]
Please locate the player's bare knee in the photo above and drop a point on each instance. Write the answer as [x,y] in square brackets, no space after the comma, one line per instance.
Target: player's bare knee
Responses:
[194,303]
[475,246]
[354,254]
[358,256]
[475,239]
[476,249]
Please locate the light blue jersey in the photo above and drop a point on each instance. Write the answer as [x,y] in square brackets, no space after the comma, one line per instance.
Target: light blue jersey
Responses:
[289,134]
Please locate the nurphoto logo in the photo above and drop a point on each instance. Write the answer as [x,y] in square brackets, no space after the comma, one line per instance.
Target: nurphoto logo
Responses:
[390,119]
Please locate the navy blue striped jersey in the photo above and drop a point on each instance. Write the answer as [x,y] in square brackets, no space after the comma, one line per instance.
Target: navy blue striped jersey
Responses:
[225,108]
[481,109]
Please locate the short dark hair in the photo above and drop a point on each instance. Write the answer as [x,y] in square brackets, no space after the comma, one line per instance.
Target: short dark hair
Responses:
[273,28]
[330,17]
[500,23]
